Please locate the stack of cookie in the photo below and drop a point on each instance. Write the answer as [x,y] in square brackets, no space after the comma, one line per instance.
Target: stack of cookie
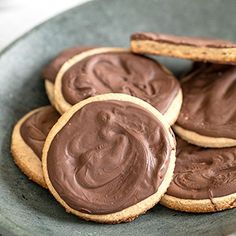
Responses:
[205,170]
[105,149]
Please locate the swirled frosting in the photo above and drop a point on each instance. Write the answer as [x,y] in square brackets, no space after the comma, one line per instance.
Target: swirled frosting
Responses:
[120,72]
[202,173]
[110,155]
[209,93]
[35,128]
[51,70]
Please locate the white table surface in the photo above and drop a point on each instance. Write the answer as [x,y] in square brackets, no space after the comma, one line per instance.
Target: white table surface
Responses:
[19,16]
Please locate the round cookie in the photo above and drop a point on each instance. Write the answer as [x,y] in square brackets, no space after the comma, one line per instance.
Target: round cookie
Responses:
[208,114]
[104,70]
[204,179]
[194,48]
[51,70]
[117,156]
[28,138]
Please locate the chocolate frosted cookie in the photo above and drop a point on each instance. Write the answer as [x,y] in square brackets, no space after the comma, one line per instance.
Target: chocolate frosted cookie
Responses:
[115,167]
[105,70]
[28,138]
[208,113]
[51,70]
[204,179]
[197,49]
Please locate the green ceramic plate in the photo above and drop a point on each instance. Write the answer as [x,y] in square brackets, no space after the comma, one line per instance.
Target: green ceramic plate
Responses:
[27,209]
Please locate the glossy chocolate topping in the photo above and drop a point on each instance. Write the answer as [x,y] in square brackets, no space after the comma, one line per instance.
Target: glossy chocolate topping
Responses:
[51,70]
[109,156]
[183,40]
[35,129]
[202,173]
[209,98]
[120,73]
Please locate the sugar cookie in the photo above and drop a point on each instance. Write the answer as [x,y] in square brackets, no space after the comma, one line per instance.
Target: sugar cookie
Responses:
[204,179]
[197,49]
[28,139]
[109,158]
[105,70]
[208,113]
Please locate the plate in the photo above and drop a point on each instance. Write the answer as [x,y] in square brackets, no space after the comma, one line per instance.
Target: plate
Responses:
[27,209]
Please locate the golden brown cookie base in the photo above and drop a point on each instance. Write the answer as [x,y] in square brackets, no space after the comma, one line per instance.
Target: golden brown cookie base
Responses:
[203,141]
[205,54]
[49,86]
[199,206]
[173,111]
[129,213]
[24,156]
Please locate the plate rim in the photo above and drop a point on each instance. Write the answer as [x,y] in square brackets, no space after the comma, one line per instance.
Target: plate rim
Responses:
[8,226]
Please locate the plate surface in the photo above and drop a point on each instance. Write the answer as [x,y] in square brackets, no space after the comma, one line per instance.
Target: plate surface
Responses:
[27,209]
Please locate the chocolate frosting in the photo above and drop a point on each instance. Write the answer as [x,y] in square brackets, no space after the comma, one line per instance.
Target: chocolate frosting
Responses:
[184,40]
[51,70]
[121,72]
[109,156]
[209,93]
[202,173]
[35,128]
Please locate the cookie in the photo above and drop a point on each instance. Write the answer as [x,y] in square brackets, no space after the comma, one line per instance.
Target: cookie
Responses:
[105,70]
[109,158]
[28,138]
[50,71]
[208,113]
[204,179]
[197,49]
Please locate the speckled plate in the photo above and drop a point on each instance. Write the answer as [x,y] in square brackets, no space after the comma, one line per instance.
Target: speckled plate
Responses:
[27,209]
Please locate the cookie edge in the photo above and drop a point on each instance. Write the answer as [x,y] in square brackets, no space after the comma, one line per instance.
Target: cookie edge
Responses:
[203,141]
[171,115]
[199,206]
[49,87]
[205,54]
